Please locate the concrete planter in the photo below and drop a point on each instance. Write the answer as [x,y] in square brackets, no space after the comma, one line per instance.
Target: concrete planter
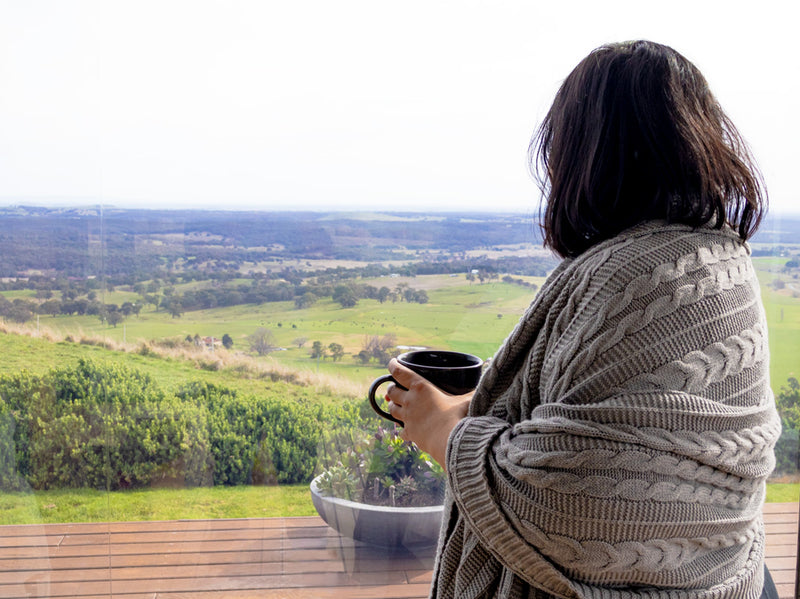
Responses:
[379,525]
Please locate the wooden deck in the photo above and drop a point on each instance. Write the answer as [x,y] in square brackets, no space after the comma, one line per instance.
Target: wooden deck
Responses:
[270,558]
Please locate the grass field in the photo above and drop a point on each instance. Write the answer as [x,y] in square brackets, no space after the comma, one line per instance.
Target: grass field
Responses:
[460,315]
[468,317]
[174,504]
[38,354]
[783,316]
[88,505]
[324,318]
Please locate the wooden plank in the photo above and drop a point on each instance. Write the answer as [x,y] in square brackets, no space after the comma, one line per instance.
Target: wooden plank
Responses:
[208,583]
[417,591]
[782,539]
[785,591]
[77,537]
[166,525]
[241,558]
[370,559]
[782,576]
[109,545]
[406,591]
[158,570]
[778,510]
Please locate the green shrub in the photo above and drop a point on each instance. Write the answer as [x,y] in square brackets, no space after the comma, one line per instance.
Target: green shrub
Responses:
[10,480]
[787,452]
[787,449]
[108,427]
[263,439]
[102,426]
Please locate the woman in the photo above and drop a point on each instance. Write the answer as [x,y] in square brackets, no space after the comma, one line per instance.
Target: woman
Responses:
[619,442]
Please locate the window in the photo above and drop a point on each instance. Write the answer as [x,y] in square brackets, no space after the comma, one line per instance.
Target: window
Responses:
[217,225]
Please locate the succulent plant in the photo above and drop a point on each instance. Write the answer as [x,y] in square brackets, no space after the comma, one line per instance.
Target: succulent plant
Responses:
[379,468]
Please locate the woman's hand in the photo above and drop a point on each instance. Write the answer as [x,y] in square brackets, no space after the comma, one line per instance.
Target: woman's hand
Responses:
[428,413]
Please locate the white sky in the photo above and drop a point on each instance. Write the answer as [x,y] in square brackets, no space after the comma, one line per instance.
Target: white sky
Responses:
[290,104]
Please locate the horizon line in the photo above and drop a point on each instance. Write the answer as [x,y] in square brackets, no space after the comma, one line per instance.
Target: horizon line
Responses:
[791,212]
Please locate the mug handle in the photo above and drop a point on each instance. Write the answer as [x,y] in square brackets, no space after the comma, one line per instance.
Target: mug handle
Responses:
[373,388]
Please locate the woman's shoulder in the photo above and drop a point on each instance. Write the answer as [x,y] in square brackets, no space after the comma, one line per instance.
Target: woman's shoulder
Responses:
[650,244]
[649,256]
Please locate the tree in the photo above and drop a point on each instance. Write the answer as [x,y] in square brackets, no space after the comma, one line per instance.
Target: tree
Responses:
[337,351]
[305,301]
[300,342]
[95,308]
[412,295]
[262,341]
[370,292]
[345,295]
[175,308]
[114,317]
[400,290]
[18,312]
[51,306]
[227,341]
[317,351]
[378,348]
[153,299]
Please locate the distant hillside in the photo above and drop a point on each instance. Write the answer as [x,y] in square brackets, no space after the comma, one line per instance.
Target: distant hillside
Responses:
[778,229]
[85,241]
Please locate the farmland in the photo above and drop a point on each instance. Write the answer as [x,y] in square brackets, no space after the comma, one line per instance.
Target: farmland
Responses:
[459,315]
[295,314]
[446,281]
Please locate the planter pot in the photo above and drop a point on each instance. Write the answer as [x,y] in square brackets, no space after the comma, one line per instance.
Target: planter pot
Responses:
[379,525]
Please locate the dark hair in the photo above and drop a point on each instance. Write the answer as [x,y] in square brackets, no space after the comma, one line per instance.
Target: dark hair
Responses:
[634,134]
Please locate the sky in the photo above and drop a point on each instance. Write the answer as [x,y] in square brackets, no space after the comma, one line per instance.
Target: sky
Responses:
[352,104]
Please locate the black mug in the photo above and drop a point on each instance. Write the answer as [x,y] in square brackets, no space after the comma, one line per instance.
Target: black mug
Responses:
[453,372]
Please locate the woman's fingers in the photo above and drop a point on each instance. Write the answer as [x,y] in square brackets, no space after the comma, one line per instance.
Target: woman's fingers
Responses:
[394,393]
[396,411]
[404,376]
[393,408]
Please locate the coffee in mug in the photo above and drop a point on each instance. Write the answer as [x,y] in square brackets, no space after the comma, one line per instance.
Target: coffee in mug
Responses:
[453,372]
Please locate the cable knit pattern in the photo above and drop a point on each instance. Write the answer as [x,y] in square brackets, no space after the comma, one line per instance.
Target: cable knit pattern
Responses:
[618,444]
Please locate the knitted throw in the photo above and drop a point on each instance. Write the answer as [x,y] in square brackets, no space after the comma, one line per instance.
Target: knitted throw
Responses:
[618,443]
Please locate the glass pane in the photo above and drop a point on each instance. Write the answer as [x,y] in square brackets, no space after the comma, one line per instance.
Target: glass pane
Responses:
[184,374]
[775,254]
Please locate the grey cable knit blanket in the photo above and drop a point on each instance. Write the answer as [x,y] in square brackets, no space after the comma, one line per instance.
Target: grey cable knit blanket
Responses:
[618,444]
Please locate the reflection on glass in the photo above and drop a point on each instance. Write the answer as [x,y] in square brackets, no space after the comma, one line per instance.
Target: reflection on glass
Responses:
[173,383]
